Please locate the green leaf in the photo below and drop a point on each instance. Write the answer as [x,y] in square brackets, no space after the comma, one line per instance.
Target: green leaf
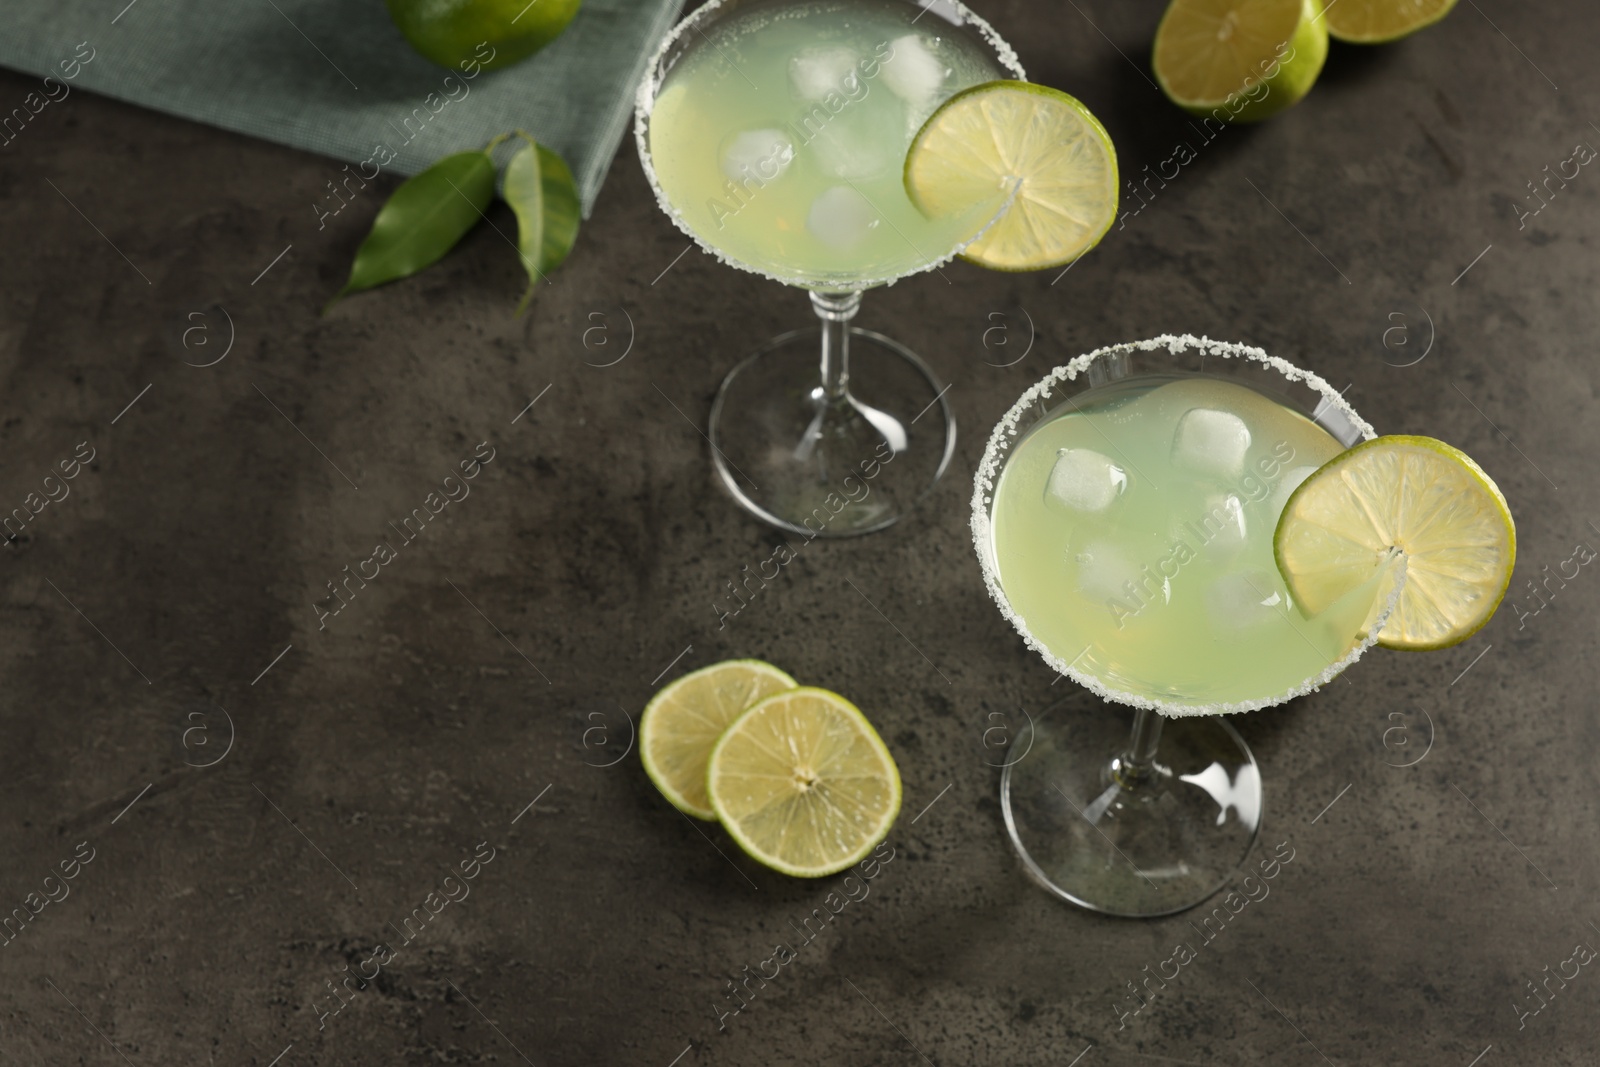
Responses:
[422,221]
[539,187]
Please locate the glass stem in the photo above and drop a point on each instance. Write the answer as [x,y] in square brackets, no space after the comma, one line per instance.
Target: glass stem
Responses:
[835,310]
[1137,762]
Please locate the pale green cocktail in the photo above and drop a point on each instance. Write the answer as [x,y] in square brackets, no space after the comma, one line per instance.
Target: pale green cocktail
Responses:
[1133,536]
[780,139]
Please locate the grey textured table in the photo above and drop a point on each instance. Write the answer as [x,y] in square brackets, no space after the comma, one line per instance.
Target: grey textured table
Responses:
[164,607]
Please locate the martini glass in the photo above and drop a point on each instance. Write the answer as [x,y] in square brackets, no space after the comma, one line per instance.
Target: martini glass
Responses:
[1123,514]
[774,133]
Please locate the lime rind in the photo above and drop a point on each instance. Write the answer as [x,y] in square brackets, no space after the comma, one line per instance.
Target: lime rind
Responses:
[1477,476]
[732,823]
[989,472]
[651,728]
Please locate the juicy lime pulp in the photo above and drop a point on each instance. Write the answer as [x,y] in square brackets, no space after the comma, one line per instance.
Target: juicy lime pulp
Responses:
[803,783]
[1421,496]
[1381,21]
[682,722]
[1045,144]
[1239,60]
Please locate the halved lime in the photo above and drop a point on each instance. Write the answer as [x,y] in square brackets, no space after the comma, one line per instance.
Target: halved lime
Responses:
[1240,60]
[1001,134]
[803,783]
[683,721]
[1422,497]
[1380,21]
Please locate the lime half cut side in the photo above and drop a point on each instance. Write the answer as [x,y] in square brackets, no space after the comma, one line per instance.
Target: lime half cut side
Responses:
[1036,144]
[804,784]
[1422,498]
[1381,21]
[682,722]
[1240,60]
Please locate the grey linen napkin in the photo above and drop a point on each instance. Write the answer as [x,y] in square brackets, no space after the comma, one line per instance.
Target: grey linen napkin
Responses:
[333,76]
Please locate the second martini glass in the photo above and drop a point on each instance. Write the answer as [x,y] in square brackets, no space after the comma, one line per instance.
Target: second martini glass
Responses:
[775,133]
[1124,515]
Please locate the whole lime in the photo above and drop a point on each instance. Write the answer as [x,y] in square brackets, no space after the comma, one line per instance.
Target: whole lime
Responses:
[490,33]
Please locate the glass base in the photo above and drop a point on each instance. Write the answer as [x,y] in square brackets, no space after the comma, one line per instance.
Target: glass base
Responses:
[1118,844]
[826,466]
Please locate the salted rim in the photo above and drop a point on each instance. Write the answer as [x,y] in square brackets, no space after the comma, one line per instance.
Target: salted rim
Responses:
[644,100]
[989,468]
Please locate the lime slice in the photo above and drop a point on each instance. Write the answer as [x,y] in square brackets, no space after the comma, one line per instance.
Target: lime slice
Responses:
[1240,60]
[1378,21]
[1420,496]
[683,721]
[803,783]
[1007,133]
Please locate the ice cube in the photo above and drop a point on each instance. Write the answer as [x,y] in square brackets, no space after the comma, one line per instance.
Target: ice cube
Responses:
[1211,442]
[1291,481]
[913,73]
[841,217]
[1104,571]
[816,72]
[1220,531]
[758,155]
[1085,480]
[1245,599]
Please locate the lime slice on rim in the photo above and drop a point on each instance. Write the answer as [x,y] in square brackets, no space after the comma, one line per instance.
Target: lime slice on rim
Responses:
[1042,141]
[1239,60]
[683,721]
[1380,21]
[1420,496]
[803,783]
